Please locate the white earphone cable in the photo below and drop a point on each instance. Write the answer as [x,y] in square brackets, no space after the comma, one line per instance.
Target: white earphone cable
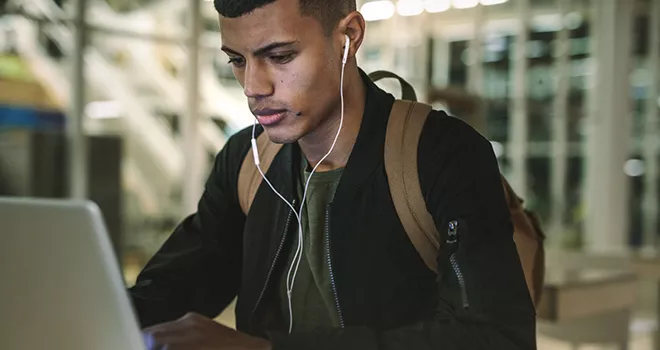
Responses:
[299,249]
[296,260]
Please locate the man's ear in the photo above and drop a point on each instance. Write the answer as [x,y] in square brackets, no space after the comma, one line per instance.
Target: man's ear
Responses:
[354,26]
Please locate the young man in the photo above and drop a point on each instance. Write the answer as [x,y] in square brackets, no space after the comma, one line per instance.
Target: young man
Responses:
[360,283]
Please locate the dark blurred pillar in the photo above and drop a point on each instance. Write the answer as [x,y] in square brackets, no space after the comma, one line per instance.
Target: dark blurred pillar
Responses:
[559,168]
[652,130]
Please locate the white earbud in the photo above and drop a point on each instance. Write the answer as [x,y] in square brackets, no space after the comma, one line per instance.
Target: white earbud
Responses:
[346,48]
[293,269]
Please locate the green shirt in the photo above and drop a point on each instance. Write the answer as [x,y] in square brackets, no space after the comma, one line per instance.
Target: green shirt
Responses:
[312,298]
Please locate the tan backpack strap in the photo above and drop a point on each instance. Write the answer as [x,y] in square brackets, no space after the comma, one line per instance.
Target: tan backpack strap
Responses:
[404,129]
[407,91]
[514,202]
[249,178]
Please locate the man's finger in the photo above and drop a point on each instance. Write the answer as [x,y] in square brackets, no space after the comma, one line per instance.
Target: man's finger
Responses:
[168,334]
[166,326]
[172,340]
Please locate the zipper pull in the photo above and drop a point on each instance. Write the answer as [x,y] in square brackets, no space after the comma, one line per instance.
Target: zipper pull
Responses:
[452,232]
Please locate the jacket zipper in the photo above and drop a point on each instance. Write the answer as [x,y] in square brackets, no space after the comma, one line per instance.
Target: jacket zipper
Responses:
[272,266]
[453,239]
[329,258]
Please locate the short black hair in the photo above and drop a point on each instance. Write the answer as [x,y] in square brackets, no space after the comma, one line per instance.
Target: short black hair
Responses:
[327,12]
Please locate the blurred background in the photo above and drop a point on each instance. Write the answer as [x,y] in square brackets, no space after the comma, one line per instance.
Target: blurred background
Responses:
[127,103]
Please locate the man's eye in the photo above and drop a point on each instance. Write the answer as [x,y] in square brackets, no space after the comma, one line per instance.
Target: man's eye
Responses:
[236,61]
[281,59]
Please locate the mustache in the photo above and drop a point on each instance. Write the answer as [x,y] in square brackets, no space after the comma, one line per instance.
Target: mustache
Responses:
[263,108]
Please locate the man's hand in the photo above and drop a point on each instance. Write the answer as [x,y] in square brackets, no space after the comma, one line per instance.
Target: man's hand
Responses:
[196,332]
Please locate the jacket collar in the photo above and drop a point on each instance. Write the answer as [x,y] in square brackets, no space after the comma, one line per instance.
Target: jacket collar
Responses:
[368,151]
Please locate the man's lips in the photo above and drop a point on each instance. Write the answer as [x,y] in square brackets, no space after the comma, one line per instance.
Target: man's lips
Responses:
[268,117]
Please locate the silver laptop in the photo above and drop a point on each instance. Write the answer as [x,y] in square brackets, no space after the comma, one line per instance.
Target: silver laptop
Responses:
[60,284]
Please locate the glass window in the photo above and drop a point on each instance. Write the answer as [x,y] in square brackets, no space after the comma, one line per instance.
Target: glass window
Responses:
[457,69]
[497,86]
[538,186]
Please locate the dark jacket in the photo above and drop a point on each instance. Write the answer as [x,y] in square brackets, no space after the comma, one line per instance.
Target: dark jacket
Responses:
[387,297]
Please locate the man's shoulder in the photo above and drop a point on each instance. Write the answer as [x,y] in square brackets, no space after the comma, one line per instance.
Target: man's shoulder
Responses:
[231,156]
[239,143]
[449,132]
[452,152]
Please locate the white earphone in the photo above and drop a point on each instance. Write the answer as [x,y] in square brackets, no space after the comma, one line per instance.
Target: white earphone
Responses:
[293,269]
[347,46]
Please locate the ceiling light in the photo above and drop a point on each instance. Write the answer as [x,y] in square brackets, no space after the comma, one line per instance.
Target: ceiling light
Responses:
[378,10]
[435,6]
[410,7]
[492,2]
[465,4]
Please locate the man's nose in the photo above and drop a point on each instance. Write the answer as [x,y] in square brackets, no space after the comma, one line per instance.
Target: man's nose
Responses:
[257,81]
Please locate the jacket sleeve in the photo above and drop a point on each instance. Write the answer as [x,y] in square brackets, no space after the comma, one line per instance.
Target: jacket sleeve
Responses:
[198,267]
[482,298]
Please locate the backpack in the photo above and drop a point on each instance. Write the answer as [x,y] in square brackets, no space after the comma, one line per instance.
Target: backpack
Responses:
[404,128]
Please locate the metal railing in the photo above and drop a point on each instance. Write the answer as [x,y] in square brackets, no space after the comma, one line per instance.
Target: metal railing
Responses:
[150,140]
[147,136]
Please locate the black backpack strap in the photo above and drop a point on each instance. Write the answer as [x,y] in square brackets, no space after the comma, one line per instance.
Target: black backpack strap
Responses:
[407,91]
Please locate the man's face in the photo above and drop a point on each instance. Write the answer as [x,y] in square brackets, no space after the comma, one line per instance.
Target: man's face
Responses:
[286,65]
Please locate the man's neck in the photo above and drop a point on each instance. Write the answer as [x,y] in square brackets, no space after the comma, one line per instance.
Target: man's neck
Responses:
[316,144]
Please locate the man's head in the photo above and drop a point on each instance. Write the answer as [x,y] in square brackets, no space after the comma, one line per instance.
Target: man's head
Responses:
[327,12]
[287,56]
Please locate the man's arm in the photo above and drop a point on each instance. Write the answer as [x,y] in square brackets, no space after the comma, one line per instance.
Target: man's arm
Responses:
[198,268]
[461,180]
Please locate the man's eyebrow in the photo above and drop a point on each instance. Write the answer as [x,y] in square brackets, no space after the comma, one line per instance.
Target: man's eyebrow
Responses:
[229,51]
[262,50]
